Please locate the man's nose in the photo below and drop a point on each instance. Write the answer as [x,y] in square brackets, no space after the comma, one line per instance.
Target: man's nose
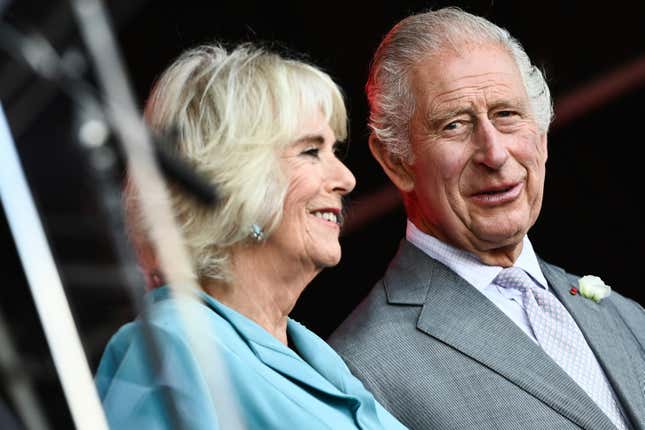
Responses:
[491,145]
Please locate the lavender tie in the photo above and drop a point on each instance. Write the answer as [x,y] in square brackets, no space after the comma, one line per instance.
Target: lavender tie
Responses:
[560,337]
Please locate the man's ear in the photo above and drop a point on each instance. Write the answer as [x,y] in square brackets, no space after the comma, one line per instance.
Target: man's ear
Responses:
[399,172]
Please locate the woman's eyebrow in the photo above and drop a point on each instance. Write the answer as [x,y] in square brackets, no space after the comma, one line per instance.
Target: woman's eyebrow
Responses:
[311,138]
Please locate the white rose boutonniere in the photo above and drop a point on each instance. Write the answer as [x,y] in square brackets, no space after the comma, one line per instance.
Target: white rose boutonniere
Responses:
[592,287]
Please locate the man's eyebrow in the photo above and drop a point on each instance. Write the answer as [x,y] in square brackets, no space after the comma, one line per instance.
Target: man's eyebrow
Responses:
[516,103]
[449,112]
[443,114]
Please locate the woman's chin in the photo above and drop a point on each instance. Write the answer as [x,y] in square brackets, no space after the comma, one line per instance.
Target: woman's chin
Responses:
[328,260]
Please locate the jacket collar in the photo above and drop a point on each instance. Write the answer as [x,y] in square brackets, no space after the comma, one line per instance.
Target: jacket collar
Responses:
[457,314]
[599,325]
[315,365]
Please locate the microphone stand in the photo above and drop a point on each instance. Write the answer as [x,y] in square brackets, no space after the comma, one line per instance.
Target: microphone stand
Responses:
[93,135]
[155,202]
[19,386]
[47,291]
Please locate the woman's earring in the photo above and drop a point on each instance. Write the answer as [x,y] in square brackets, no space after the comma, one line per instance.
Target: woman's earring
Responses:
[155,279]
[257,233]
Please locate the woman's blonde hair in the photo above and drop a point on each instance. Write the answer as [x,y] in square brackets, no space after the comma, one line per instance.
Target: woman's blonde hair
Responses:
[233,112]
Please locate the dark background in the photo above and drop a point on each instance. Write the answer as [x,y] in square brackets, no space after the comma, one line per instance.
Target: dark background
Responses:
[591,221]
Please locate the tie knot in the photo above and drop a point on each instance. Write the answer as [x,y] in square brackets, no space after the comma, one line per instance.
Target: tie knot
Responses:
[514,277]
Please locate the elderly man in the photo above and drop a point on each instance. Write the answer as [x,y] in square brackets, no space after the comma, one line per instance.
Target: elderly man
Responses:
[469,329]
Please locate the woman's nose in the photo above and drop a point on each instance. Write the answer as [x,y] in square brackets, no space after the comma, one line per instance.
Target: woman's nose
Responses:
[343,179]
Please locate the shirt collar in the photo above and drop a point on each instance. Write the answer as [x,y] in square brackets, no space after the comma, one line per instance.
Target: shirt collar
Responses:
[467,265]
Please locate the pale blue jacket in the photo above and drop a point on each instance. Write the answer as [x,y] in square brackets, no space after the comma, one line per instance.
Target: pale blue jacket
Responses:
[272,386]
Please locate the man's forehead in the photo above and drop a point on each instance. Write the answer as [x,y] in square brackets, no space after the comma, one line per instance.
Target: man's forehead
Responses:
[452,78]
[470,62]
[487,93]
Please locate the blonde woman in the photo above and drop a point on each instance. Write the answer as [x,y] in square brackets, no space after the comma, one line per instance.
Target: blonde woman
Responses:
[265,130]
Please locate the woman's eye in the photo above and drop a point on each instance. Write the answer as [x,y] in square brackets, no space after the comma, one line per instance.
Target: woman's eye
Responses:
[312,152]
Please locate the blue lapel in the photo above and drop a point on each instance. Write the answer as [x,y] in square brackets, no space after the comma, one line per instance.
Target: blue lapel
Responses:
[328,363]
[270,351]
[319,355]
[318,368]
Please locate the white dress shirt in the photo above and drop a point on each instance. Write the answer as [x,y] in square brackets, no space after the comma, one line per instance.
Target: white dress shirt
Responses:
[481,276]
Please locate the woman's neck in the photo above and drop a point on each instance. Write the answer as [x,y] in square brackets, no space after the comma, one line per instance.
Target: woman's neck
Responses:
[263,289]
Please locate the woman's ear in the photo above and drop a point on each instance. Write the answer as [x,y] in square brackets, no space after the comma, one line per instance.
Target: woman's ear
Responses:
[399,171]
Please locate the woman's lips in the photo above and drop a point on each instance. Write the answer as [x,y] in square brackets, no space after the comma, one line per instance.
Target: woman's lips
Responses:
[499,196]
[330,216]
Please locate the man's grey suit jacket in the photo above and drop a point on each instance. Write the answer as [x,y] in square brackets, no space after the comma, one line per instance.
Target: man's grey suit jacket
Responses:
[439,355]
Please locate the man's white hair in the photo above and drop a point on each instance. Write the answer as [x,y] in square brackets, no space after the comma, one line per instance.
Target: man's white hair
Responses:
[422,36]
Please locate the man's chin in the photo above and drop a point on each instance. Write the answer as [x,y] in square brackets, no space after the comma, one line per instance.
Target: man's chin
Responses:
[491,240]
[499,251]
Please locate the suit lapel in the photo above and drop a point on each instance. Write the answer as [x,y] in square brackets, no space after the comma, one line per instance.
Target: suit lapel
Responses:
[597,321]
[457,314]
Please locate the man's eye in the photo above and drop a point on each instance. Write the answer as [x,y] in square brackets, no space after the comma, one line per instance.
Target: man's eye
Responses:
[507,120]
[506,113]
[452,126]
